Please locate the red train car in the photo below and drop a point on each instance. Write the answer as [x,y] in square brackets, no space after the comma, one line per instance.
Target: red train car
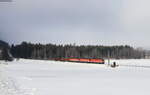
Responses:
[82,60]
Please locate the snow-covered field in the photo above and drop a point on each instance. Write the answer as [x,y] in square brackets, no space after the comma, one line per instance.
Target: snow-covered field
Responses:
[36,77]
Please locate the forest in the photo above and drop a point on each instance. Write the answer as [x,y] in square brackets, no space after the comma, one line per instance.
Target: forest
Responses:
[50,51]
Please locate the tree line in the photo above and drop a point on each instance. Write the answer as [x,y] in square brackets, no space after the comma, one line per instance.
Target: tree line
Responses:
[4,51]
[51,51]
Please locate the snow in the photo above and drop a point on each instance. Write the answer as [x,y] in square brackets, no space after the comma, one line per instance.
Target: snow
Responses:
[37,77]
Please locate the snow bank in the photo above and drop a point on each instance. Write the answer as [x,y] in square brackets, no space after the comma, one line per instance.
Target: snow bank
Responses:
[8,85]
[37,77]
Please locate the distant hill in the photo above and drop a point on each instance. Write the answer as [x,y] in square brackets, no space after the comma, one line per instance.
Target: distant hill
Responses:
[3,44]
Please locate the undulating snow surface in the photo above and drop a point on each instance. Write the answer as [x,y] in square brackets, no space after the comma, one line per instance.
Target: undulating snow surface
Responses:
[36,77]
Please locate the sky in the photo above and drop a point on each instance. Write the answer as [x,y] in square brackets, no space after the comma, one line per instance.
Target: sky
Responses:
[84,22]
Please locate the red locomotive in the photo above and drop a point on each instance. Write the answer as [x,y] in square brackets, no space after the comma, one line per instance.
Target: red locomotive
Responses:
[82,60]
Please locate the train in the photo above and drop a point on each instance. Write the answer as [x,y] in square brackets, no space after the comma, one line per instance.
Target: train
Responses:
[82,60]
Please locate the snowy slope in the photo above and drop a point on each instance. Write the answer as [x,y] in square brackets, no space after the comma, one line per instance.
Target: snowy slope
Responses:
[36,77]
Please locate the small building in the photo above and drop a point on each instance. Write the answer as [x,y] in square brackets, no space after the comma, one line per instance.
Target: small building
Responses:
[147,56]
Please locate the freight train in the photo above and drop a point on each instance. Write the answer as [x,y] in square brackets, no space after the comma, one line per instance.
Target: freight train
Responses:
[82,60]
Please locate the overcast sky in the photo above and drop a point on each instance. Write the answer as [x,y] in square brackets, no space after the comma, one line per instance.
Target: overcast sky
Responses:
[97,22]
